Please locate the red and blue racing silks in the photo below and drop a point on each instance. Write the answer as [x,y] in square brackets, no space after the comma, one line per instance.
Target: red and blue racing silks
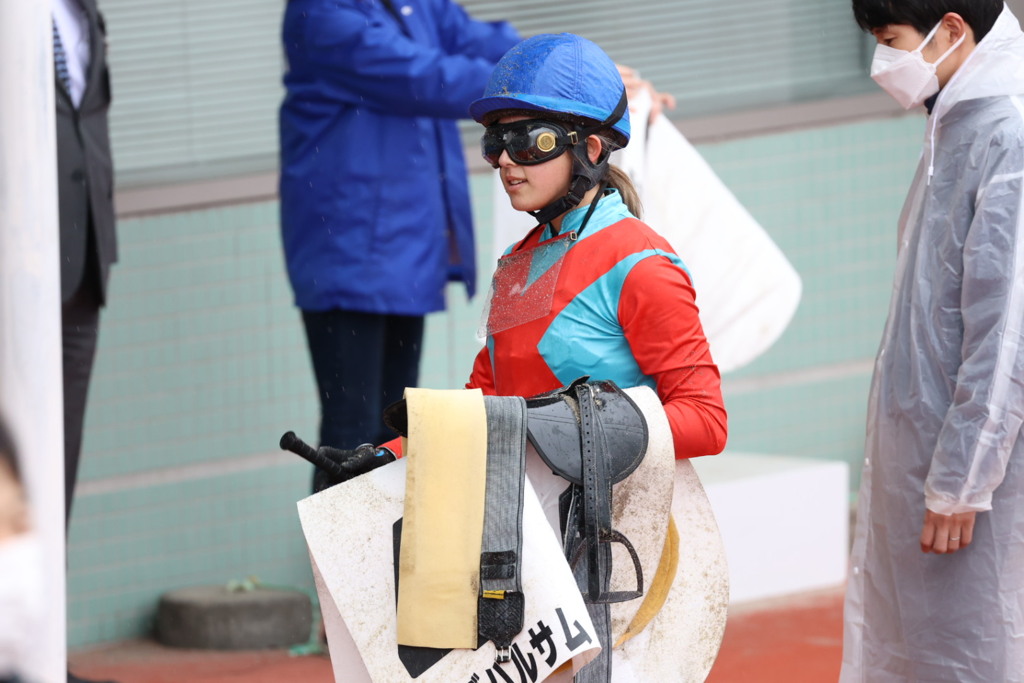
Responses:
[623,309]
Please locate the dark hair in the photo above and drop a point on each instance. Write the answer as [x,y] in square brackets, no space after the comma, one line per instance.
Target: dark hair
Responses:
[8,454]
[923,15]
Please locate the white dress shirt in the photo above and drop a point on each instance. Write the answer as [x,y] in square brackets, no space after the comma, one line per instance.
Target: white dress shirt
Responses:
[73,26]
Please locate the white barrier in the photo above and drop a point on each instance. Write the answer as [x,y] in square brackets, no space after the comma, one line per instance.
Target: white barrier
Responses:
[784,521]
[31,398]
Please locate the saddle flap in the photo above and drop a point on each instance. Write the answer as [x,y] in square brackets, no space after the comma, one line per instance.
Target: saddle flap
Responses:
[553,427]
[554,430]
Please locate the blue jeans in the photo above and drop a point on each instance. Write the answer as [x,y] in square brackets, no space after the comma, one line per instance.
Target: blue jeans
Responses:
[362,362]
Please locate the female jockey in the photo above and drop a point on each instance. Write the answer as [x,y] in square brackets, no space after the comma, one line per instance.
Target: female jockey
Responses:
[614,302]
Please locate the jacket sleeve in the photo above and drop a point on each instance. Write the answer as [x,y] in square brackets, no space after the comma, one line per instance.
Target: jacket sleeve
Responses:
[463,35]
[658,313]
[362,51]
[482,377]
[984,422]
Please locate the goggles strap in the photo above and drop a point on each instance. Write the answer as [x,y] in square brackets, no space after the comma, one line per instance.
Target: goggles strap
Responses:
[585,174]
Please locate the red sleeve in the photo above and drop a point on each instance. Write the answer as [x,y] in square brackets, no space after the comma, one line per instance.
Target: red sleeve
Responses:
[658,313]
[482,376]
[395,445]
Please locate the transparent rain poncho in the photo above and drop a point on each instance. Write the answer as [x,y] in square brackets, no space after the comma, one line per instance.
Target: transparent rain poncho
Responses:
[946,408]
[523,286]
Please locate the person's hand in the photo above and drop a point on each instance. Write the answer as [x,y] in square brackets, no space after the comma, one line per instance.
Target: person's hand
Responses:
[360,460]
[943,534]
[634,85]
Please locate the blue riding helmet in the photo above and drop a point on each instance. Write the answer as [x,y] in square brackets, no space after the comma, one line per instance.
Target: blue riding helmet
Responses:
[558,74]
[566,77]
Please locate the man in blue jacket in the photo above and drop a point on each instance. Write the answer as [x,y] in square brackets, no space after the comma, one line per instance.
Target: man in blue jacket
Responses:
[375,213]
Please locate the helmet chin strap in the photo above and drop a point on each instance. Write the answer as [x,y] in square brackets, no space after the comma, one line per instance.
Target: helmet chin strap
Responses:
[585,174]
[581,184]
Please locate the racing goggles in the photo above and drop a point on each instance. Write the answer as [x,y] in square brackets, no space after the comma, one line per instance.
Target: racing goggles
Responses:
[528,142]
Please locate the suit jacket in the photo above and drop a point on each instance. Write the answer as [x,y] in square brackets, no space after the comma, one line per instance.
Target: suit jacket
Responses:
[85,169]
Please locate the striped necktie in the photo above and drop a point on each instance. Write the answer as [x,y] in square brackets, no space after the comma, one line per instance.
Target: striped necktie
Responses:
[60,60]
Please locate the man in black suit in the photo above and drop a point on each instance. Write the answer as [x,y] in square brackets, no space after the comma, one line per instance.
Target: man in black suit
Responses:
[88,244]
[85,183]
[85,188]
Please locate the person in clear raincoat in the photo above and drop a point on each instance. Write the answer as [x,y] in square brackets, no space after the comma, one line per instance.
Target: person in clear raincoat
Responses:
[936,589]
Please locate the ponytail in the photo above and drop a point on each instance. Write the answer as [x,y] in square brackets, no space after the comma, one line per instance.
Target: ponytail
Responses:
[617,178]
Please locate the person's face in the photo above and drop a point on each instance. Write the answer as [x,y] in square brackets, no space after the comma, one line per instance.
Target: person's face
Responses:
[903,37]
[531,188]
[907,38]
[13,507]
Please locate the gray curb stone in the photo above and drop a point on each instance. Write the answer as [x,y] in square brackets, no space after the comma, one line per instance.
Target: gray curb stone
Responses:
[214,618]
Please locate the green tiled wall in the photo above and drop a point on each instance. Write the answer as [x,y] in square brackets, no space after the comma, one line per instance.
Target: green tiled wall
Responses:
[202,365]
[129,547]
[200,348]
[830,198]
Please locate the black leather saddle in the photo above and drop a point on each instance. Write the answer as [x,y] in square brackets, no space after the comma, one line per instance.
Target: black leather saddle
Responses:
[592,435]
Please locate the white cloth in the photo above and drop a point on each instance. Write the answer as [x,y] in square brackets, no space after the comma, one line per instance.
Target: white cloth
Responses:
[747,290]
[946,408]
[73,26]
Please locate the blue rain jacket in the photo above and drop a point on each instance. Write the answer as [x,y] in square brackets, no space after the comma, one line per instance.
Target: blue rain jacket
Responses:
[375,213]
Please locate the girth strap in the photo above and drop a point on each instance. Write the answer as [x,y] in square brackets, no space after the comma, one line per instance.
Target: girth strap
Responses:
[597,490]
[596,528]
[595,533]
[501,605]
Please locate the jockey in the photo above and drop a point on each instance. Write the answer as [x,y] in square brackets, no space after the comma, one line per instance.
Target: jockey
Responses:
[615,303]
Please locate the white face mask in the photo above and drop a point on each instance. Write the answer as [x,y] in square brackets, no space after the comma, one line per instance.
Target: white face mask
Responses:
[906,75]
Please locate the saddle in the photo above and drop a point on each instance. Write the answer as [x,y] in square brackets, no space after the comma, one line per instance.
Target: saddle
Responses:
[592,435]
